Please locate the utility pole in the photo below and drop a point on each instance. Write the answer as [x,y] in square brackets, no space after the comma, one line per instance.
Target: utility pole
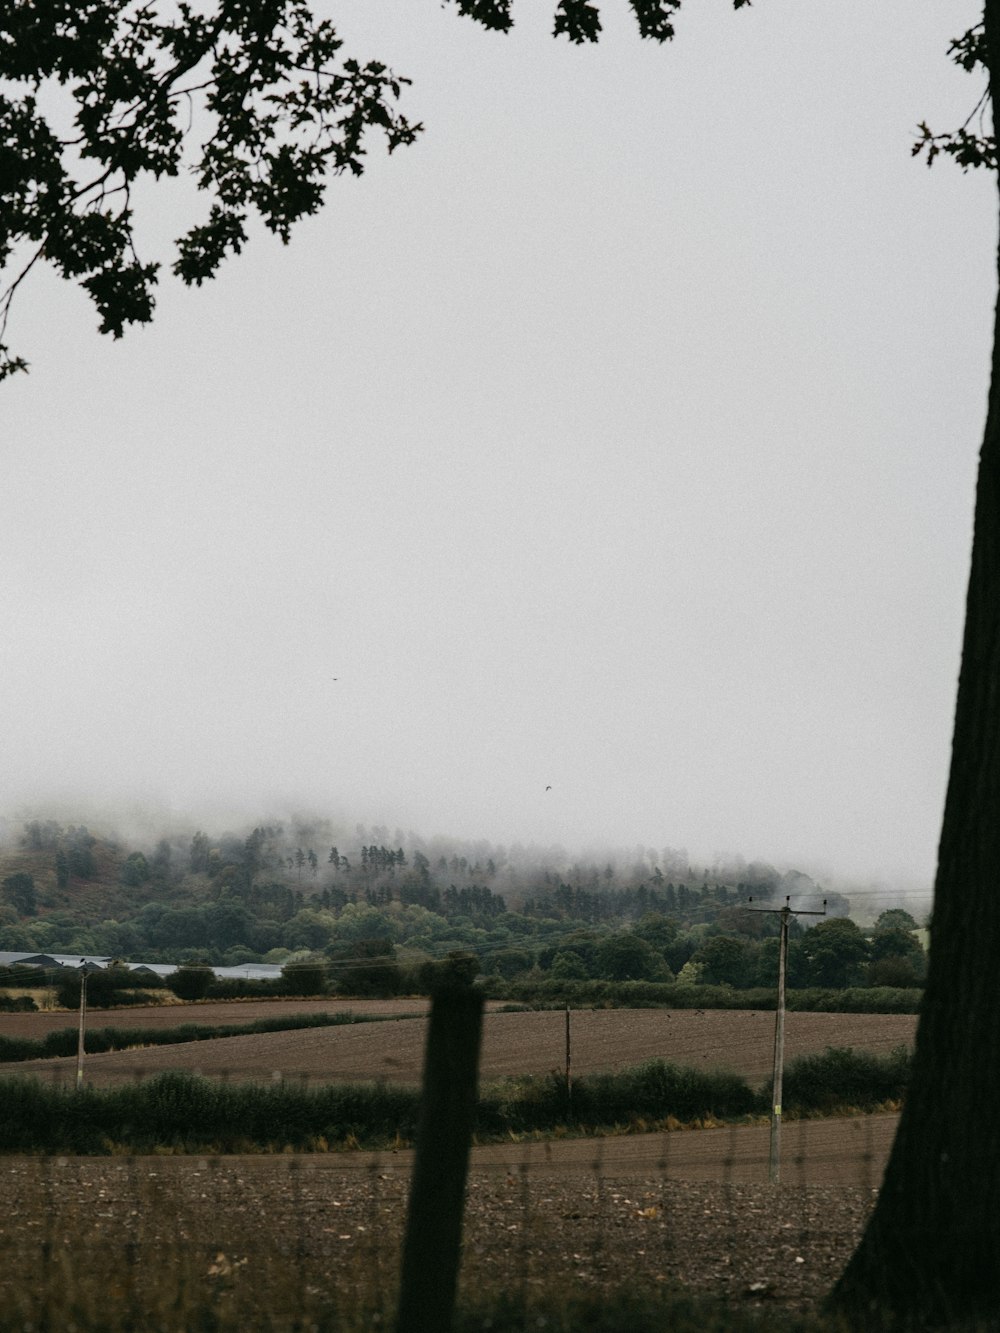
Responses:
[569,1077]
[83,1019]
[785,913]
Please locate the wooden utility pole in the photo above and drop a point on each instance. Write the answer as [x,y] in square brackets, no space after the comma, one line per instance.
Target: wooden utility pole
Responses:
[83,1023]
[778,1068]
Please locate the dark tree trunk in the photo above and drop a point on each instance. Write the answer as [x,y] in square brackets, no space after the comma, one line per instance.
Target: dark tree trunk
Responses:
[931,1252]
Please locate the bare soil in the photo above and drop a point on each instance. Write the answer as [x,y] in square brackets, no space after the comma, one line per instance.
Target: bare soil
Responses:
[513,1044]
[213,1013]
[691,1207]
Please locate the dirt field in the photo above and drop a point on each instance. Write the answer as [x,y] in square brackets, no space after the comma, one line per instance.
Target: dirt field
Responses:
[691,1207]
[518,1043]
[210,1012]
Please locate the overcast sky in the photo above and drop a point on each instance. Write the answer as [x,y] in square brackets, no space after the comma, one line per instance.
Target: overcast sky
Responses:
[619,437]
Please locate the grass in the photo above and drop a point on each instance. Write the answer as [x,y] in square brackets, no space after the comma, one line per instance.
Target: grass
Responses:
[188,1113]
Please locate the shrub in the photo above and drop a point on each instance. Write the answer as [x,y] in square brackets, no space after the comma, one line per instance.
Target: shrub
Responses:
[839,1078]
[191,982]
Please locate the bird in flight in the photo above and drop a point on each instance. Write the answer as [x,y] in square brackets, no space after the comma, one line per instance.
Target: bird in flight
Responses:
[548,788]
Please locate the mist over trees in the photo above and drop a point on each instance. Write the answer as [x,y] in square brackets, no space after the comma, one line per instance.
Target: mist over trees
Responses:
[375,906]
[931,1248]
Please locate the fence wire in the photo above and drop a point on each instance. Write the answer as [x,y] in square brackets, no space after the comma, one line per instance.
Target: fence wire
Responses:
[312,1240]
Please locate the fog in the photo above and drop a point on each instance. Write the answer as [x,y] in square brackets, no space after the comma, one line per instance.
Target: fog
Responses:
[597,472]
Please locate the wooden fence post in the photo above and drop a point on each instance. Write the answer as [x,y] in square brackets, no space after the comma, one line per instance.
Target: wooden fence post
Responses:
[437,1190]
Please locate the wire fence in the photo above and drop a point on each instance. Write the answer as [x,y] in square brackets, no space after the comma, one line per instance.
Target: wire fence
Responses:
[312,1241]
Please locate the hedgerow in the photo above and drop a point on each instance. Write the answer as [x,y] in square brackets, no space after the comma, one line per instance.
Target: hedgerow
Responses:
[654,994]
[186,1112]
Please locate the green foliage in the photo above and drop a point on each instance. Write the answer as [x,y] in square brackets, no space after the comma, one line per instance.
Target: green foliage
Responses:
[648,994]
[282,110]
[457,971]
[567,965]
[724,960]
[833,953]
[304,978]
[654,1091]
[369,968]
[626,956]
[842,1078]
[190,1113]
[105,987]
[19,891]
[191,982]
[135,870]
[895,918]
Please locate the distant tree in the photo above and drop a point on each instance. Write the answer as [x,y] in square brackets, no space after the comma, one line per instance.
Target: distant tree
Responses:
[836,953]
[198,857]
[313,862]
[228,924]
[253,855]
[191,982]
[304,977]
[309,929]
[724,961]
[895,917]
[458,968]
[657,930]
[104,986]
[135,870]
[41,835]
[898,958]
[366,967]
[19,891]
[162,859]
[509,962]
[62,869]
[568,966]
[896,970]
[625,956]
[80,853]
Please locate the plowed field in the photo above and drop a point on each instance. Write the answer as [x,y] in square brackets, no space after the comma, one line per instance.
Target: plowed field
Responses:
[688,1207]
[513,1043]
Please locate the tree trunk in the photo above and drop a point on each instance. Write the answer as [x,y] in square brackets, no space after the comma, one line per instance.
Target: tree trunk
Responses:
[931,1252]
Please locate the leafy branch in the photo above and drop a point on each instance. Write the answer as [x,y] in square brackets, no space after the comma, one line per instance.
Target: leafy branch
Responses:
[282,112]
[967,148]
